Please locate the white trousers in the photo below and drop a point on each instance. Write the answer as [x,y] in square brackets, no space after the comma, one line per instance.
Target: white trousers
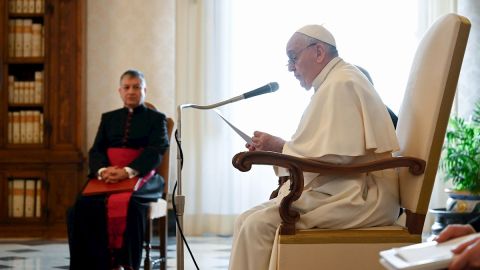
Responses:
[254,233]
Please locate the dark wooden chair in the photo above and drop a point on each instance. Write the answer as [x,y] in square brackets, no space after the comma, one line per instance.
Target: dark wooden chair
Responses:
[421,130]
[158,210]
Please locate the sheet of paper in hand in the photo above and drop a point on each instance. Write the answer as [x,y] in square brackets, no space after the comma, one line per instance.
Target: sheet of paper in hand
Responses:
[244,136]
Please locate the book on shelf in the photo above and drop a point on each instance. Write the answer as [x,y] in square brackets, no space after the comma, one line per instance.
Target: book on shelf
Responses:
[23,126]
[25,93]
[27,38]
[24,198]
[16,87]
[39,6]
[38,87]
[38,198]
[16,127]
[18,6]
[37,40]
[18,38]
[10,128]
[18,200]
[25,6]
[31,6]
[29,126]
[29,198]
[41,128]
[423,256]
[11,88]
[10,198]
[36,127]
[21,92]
[31,90]
[42,46]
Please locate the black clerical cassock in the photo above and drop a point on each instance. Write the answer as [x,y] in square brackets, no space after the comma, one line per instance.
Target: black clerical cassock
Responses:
[143,129]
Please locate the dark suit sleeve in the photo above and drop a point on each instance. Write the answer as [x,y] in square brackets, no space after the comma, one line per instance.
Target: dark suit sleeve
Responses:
[157,144]
[394,117]
[475,223]
[97,155]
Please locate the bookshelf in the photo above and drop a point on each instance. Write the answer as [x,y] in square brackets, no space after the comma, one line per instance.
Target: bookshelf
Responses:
[42,121]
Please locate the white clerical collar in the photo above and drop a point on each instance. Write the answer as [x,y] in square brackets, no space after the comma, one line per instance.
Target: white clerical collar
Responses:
[324,73]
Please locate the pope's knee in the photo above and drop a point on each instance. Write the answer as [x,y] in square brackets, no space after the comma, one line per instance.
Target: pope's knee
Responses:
[239,221]
[257,225]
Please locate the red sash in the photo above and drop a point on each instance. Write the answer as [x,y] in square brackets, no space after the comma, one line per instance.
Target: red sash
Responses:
[117,203]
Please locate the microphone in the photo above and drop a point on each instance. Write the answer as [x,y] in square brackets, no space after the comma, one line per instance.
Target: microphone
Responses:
[268,88]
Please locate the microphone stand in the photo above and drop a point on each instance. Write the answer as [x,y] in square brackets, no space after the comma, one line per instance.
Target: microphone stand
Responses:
[179,198]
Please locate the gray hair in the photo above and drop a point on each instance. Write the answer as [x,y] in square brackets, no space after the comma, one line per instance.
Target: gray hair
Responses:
[134,73]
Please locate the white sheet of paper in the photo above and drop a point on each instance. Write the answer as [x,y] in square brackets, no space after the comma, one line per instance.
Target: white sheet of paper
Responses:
[244,136]
[423,256]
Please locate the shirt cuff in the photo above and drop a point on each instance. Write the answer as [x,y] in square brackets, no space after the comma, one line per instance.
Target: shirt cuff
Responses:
[99,173]
[131,172]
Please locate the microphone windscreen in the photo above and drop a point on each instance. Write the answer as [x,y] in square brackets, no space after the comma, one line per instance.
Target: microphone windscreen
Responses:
[274,86]
[268,88]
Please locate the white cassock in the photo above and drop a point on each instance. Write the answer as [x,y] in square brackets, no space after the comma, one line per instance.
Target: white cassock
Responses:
[346,122]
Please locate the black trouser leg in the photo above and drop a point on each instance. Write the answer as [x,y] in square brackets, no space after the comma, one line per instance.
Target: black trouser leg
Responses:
[88,238]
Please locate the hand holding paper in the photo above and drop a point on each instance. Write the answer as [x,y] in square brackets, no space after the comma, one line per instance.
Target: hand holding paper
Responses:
[260,141]
[266,142]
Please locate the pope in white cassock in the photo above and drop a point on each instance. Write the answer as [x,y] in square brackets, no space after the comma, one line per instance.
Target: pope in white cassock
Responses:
[345,122]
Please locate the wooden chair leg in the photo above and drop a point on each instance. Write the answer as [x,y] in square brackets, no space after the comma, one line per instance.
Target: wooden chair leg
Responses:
[150,263]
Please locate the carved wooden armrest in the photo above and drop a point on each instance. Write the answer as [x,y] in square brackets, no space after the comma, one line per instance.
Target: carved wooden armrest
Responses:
[281,180]
[243,161]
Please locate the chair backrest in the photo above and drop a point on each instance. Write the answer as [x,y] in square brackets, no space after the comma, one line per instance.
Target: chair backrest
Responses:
[163,168]
[426,107]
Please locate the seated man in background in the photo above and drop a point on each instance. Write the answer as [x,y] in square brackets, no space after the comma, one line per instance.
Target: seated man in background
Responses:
[345,123]
[467,255]
[393,116]
[106,231]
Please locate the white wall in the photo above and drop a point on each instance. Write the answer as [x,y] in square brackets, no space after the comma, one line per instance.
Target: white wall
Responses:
[128,34]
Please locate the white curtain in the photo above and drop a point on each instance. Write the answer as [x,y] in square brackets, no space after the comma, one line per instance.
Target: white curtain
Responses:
[225,48]
[202,78]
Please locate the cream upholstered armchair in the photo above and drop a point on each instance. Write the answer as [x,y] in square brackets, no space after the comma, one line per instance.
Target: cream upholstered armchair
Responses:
[158,210]
[421,129]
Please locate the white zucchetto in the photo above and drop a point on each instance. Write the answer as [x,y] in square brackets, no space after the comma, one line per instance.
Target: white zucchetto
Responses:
[318,32]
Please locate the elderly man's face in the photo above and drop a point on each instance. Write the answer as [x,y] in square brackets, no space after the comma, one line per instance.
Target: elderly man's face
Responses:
[302,60]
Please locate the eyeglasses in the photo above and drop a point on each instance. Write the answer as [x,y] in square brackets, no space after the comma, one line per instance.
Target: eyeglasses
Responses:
[293,60]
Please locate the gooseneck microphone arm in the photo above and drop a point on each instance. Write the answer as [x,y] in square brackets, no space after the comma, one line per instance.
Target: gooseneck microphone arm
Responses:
[179,198]
[268,88]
